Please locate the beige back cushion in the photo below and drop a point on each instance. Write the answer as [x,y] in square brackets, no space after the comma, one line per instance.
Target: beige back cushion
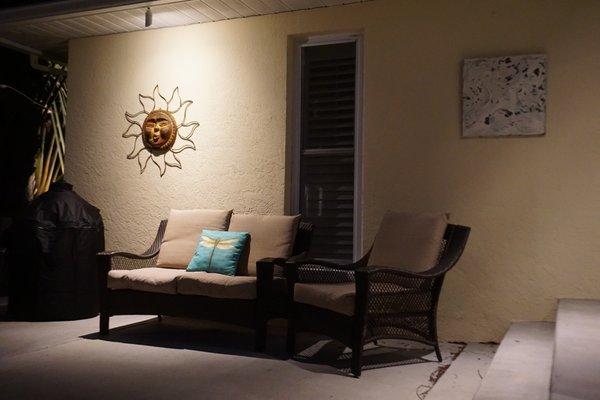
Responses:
[270,236]
[181,236]
[409,241]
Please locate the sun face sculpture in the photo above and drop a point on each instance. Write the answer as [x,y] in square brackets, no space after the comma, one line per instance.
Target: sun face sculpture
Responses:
[159,130]
[158,136]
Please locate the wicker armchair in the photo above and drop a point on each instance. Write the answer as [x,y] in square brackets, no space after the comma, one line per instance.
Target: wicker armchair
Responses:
[270,302]
[380,302]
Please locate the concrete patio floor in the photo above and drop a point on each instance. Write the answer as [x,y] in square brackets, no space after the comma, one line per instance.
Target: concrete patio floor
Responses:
[176,358]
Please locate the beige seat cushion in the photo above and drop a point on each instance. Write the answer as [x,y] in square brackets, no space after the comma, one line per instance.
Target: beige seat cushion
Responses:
[270,236]
[157,280]
[409,241]
[182,233]
[117,279]
[338,297]
[217,285]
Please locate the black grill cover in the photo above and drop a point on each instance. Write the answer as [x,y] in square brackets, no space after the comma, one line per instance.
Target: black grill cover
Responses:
[53,265]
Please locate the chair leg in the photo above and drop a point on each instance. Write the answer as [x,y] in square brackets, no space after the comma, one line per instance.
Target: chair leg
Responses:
[357,346]
[291,337]
[104,318]
[356,367]
[438,353]
[260,338]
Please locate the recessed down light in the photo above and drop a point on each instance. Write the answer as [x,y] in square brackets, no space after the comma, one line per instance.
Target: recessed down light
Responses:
[148,17]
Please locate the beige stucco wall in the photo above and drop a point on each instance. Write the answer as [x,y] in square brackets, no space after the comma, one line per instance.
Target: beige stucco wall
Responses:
[533,203]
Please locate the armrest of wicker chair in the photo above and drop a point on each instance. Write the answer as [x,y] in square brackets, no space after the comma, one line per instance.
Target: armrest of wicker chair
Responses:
[126,254]
[311,270]
[265,268]
[108,260]
[265,292]
[123,260]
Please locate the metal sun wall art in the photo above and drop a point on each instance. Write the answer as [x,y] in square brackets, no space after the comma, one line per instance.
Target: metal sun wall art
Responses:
[156,131]
[504,96]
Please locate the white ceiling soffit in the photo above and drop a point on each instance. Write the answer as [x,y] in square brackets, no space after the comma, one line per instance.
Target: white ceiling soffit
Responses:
[45,29]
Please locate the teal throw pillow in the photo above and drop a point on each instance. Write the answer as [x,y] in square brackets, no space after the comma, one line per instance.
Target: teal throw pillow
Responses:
[218,252]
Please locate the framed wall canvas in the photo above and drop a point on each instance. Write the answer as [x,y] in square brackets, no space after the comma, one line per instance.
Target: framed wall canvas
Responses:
[504,96]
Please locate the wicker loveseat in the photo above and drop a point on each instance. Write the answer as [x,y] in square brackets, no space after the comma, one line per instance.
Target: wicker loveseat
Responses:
[156,283]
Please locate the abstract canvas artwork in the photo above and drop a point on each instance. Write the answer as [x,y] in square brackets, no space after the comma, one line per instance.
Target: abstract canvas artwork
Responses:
[504,96]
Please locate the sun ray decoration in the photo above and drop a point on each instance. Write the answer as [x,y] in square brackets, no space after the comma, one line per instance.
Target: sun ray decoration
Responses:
[157,135]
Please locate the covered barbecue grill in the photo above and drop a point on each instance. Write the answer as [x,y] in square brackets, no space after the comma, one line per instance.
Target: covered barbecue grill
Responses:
[53,270]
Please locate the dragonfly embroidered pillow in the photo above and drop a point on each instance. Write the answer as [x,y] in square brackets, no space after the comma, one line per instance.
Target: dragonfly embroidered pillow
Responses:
[218,252]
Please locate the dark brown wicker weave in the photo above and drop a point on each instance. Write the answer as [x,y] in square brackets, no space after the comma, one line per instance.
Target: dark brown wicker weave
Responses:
[269,303]
[389,304]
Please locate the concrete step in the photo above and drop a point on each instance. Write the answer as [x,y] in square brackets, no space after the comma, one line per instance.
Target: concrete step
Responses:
[576,370]
[462,379]
[522,365]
